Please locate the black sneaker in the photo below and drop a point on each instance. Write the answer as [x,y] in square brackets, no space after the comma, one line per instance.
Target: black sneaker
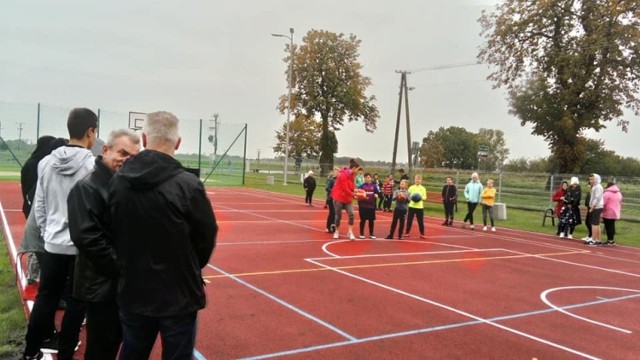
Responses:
[333,228]
[37,356]
[50,345]
[611,243]
[389,237]
[593,243]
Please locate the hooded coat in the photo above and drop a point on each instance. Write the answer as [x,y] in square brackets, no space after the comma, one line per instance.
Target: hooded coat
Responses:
[612,203]
[164,231]
[597,193]
[57,173]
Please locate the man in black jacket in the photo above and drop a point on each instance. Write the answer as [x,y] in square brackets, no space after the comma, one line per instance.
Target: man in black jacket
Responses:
[164,232]
[96,273]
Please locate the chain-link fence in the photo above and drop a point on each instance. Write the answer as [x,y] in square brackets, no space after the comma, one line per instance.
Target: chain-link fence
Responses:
[216,149]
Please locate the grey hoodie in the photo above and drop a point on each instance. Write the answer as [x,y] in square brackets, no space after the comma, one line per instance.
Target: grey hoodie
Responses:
[57,173]
[597,193]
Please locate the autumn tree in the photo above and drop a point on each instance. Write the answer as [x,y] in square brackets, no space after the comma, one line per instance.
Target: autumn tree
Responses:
[304,137]
[328,84]
[567,66]
[455,145]
[498,151]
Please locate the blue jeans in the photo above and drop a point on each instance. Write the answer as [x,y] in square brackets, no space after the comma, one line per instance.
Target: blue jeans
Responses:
[139,332]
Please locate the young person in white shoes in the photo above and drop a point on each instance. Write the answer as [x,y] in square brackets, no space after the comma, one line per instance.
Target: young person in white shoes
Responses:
[488,199]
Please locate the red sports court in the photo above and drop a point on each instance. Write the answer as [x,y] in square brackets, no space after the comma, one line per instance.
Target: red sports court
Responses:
[279,286]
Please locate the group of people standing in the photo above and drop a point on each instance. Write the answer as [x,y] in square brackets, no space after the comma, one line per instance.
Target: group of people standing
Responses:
[341,191]
[475,194]
[129,230]
[602,205]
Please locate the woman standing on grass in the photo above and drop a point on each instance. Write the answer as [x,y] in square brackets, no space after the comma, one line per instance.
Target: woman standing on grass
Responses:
[342,195]
[611,210]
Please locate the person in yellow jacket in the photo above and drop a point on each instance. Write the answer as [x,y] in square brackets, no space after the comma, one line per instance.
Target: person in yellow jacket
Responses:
[417,196]
[488,199]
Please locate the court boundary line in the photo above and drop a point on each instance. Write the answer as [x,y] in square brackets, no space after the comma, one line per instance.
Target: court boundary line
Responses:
[284,303]
[460,312]
[432,329]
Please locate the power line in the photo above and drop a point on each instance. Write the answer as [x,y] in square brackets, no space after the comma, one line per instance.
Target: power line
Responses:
[439,67]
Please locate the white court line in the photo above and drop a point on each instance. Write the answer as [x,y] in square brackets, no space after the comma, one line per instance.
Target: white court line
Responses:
[402,254]
[22,279]
[543,297]
[457,311]
[575,264]
[284,303]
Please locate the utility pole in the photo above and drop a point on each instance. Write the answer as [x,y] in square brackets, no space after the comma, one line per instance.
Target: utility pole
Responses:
[20,128]
[213,138]
[404,91]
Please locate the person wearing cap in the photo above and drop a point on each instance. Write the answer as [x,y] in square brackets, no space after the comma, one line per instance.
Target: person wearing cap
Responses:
[309,184]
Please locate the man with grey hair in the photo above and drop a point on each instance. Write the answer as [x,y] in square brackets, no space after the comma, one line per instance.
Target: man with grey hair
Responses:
[96,273]
[164,232]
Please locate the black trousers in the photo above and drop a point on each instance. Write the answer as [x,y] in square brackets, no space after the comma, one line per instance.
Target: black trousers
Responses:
[55,269]
[448,210]
[331,218]
[471,207]
[308,198]
[610,228]
[419,215]
[399,216]
[104,333]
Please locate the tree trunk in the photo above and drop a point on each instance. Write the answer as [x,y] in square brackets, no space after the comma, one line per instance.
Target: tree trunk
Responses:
[326,148]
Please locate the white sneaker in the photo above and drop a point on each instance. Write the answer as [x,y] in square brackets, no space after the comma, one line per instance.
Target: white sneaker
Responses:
[586,238]
[569,236]
[472,227]
[561,235]
[336,235]
[351,237]
[372,237]
[493,228]
[484,228]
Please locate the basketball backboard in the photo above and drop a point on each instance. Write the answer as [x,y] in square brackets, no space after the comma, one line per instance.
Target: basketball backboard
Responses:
[136,120]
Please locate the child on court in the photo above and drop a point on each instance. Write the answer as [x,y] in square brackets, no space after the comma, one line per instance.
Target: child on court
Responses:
[387,193]
[449,198]
[488,199]
[401,196]
[367,206]
[416,208]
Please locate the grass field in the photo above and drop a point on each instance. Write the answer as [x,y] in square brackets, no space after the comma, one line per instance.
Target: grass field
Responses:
[12,318]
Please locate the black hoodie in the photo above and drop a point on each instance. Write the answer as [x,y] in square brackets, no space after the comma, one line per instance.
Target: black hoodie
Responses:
[164,232]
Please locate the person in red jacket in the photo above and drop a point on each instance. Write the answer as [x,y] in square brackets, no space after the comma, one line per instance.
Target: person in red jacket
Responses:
[558,197]
[342,194]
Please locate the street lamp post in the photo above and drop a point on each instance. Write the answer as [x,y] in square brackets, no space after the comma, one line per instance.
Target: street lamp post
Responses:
[286,149]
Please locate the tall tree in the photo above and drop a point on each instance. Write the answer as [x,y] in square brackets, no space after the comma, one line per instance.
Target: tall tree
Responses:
[456,145]
[568,66]
[328,83]
[498,151]
[304,137]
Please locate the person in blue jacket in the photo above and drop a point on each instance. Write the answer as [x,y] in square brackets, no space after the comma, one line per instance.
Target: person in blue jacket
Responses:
[472,192]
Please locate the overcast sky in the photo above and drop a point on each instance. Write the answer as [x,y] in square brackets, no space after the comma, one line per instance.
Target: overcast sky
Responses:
[197,58]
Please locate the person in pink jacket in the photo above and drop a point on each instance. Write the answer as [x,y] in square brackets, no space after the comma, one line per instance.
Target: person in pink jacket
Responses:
[611,210]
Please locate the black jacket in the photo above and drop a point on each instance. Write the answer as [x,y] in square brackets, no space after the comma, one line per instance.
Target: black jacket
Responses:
[164,232]
[95,270]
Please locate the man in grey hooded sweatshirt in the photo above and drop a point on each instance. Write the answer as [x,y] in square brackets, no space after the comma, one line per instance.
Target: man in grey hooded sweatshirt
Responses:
[57,173]
[595,209]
